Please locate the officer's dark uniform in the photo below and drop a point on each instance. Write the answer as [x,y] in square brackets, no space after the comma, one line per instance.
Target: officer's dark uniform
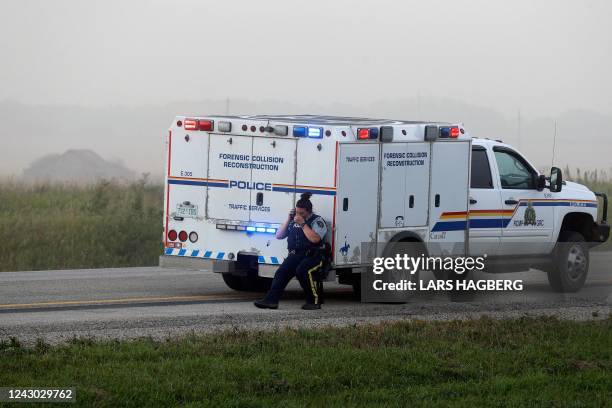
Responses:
[305,261]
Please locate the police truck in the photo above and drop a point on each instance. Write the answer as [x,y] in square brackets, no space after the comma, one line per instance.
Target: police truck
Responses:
[231,180]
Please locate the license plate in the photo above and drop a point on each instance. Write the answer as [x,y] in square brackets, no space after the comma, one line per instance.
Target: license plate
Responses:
[187,211]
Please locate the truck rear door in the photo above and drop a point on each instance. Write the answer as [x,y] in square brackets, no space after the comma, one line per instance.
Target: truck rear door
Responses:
[250,178]
[448,204]
[273,179]
[229,176]
[356,210]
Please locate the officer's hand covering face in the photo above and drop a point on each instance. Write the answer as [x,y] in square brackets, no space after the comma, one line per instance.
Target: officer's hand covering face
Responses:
[302,212]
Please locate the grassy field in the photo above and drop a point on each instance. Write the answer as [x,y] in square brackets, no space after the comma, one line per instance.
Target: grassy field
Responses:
[69,226]
[103,225]
[523,362]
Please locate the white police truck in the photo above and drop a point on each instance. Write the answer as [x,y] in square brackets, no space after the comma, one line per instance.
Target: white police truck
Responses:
[231,180]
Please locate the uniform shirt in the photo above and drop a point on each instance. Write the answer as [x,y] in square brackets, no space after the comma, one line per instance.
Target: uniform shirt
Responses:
[297,240]
[319,227]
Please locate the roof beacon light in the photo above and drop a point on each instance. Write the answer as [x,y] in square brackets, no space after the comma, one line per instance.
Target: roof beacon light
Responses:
[363,134]
[281,130]
[374,133]
[191,124]
[300,131]
[205,125]
[195,124]
[449,132]
[225,126]
[315,132]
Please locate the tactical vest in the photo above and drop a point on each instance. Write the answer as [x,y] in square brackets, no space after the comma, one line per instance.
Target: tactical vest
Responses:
[296,240]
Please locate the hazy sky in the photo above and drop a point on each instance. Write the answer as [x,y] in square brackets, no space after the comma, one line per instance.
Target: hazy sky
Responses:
[543,56]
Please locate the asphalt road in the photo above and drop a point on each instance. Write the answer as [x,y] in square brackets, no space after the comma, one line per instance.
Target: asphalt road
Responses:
[128,303]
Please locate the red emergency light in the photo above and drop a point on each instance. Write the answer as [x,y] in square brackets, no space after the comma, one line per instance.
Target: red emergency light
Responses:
[454,132]
[363,134]
[195,124]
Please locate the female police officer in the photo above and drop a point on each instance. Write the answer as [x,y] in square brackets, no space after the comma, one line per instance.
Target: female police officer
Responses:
[305,233]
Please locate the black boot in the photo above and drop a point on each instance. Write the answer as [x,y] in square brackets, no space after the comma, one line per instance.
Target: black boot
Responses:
[264,304]
[311,306]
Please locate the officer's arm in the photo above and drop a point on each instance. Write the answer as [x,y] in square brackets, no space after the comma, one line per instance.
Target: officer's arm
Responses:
[310,234]
[281,233]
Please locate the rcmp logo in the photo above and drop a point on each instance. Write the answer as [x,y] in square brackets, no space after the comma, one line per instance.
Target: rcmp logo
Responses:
[530,215]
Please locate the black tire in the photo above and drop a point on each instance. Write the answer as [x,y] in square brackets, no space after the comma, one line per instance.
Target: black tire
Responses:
[570,263]
[411,248]
[233,281]
[461,295]
[251,283]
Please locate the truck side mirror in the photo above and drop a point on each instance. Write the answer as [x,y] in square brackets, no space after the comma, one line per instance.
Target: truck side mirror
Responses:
[556,180]
[541,182]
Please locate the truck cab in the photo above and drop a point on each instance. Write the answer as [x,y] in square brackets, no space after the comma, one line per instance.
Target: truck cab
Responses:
[523,219]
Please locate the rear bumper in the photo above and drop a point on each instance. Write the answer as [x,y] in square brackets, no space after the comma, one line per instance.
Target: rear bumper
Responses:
[213,265]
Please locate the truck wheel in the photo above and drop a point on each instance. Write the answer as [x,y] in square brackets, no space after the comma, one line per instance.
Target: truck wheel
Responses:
[233,281]
[570,263]
[251,283]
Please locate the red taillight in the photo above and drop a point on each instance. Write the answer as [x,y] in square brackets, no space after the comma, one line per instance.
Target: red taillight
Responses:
[172,235]
[182,236]
[363,134]
[206,125]
[454,132]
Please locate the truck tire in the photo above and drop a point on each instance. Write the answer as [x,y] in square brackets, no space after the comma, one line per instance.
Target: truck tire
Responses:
[403,247]
[570,263]
[251,283]
[233,281]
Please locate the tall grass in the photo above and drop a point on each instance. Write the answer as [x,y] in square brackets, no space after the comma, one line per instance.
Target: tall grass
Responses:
[59,226]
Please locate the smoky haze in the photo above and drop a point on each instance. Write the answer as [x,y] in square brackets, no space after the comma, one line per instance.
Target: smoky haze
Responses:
[109,76]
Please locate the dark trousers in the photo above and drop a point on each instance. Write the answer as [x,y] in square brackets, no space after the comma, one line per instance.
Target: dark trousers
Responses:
[305,268]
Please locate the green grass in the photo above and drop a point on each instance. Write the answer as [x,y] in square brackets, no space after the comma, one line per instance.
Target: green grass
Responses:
[485,362]
[69,226]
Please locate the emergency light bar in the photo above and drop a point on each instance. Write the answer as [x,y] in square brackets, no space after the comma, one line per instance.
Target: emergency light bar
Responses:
[247,228]
[306,131]
[195,124]
[449,132]
[367,133]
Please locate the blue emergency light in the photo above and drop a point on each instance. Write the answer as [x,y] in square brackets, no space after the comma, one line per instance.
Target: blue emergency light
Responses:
[315,132]
[300,131]
[247,228]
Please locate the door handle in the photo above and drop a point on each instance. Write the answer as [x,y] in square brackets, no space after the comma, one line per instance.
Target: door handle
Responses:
[473,201]
[511,201]
[437,200]
[345,204]
[259,199]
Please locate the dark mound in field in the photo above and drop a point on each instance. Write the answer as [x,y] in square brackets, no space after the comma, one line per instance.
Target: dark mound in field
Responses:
[82,166]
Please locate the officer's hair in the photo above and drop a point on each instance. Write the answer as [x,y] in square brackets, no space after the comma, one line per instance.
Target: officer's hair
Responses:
[304,202]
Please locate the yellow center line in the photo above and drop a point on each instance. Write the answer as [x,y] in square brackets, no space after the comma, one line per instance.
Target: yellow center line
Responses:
[127,300]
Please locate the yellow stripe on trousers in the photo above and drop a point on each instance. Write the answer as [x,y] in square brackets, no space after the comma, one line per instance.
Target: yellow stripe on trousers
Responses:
[312,284]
